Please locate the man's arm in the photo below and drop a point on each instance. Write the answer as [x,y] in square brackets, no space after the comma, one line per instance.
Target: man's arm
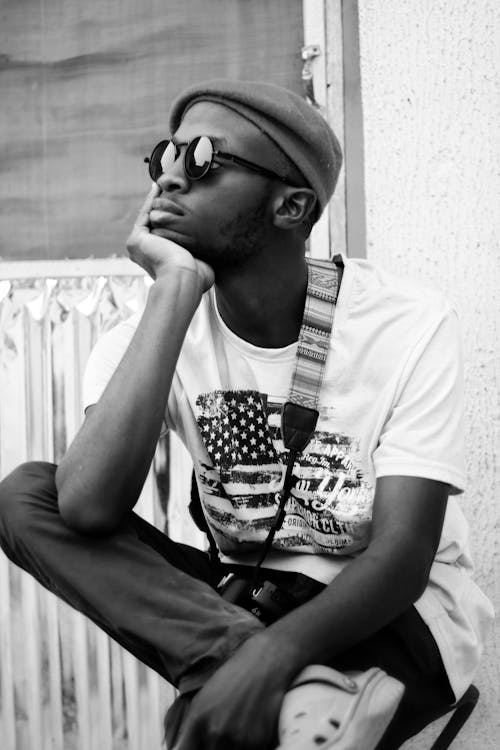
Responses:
[383,581]
[245,694]
[100,477]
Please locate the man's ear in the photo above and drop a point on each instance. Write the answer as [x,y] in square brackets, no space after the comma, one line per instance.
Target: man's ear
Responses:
[292,206]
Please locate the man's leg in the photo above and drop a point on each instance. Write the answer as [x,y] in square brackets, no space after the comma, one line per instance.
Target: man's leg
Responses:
[153,596]
[406,650]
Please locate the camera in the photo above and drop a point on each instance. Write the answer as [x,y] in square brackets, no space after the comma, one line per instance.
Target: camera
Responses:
[265,600]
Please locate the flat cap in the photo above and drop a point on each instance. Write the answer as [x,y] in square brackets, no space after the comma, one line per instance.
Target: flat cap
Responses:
[296,127]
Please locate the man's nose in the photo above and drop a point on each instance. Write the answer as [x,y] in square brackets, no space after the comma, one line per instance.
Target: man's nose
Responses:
[174,179]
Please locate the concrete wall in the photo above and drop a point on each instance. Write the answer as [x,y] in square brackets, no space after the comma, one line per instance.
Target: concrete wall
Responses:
[431,101]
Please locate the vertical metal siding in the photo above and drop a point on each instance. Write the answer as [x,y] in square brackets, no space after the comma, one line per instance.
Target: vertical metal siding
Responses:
[63,684]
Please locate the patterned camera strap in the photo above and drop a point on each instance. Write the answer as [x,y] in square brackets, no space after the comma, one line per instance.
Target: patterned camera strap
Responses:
[315,333]
[300,413]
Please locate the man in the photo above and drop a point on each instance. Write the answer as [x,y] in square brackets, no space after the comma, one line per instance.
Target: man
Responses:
[376,562]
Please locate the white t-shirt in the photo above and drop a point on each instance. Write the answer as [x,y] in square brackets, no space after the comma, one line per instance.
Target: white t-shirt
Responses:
[391,404]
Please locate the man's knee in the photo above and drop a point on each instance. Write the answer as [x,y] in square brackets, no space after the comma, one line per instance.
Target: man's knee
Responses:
[31,484]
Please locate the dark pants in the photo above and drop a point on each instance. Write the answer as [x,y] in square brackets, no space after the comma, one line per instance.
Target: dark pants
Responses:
[156,598]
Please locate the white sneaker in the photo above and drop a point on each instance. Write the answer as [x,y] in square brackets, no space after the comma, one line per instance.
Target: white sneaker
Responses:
[342,711]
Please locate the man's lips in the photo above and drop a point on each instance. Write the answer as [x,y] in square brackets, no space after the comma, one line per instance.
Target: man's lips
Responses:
[166,205]
[163,213]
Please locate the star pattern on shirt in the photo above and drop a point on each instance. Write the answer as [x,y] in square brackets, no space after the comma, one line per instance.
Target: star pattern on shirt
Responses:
[235,430]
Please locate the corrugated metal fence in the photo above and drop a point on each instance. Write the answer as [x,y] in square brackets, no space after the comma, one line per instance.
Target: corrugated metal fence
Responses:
[64,684]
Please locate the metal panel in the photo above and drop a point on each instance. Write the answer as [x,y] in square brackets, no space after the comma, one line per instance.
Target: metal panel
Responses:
[71,686]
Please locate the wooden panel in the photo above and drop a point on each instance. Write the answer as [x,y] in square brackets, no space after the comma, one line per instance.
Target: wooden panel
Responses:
[86,89]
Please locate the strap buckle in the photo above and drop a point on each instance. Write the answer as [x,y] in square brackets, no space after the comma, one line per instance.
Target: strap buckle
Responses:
[297,425]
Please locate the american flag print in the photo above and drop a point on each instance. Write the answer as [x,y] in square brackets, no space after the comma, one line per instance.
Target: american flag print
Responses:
[329,510]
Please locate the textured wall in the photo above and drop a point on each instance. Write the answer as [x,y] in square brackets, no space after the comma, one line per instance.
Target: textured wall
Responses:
[431,99]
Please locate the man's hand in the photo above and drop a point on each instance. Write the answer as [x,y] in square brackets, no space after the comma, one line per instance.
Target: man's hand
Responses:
[238,708]
[158,255]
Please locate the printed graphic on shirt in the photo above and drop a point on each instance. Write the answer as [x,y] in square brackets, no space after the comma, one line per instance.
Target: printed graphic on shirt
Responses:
[329,510]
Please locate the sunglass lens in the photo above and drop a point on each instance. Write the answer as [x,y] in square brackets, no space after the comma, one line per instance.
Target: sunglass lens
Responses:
[169,156]
[162,158]
[198,157]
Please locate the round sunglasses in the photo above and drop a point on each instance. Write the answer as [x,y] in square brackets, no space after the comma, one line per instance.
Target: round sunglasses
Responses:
[199,157]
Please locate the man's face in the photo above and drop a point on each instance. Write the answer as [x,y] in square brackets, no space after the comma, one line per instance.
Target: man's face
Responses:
[223,218]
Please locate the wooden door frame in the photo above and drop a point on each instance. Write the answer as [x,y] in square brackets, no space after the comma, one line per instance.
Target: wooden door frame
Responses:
[333,26]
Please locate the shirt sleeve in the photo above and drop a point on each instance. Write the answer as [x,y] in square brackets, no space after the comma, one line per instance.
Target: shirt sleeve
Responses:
[424,432]
[105,358]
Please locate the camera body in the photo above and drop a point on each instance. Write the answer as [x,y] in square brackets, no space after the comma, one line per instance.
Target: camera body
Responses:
[266,601]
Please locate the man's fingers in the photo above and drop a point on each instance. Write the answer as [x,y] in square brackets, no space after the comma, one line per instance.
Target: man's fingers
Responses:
[143,217]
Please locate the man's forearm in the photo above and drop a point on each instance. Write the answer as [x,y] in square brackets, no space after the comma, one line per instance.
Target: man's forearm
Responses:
[371,590]
[101,475]
[381,582]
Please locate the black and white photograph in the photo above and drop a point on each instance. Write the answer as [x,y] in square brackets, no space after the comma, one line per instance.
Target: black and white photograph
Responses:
[249,374]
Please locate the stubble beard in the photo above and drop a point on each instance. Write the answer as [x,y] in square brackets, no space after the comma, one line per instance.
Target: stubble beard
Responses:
[241,239]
